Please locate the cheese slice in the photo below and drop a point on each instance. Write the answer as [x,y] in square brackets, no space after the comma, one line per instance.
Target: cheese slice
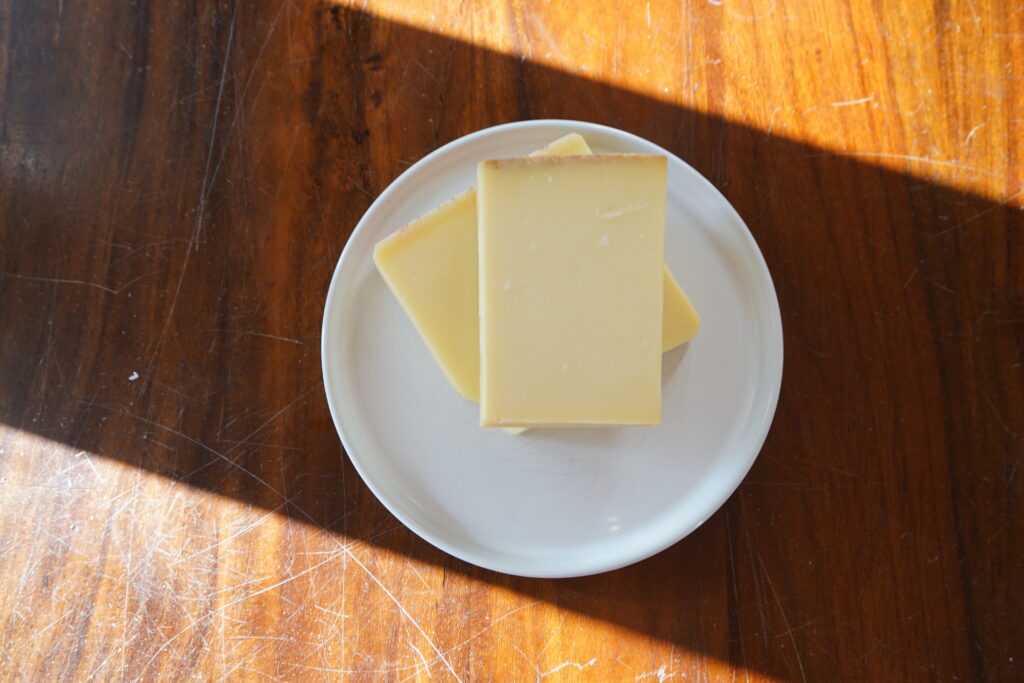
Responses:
[571,289]
[680,321]
[431,267]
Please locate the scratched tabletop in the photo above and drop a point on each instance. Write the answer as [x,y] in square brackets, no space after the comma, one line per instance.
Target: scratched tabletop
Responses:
[178,179]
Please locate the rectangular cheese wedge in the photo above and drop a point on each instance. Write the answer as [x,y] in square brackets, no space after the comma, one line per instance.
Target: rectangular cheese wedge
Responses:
[431,267]
[571,286]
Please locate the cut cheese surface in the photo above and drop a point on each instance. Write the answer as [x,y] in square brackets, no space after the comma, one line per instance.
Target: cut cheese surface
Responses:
[430,266]
[571,290]
[681,321]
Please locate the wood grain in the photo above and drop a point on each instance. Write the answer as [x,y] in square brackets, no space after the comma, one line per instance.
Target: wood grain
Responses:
[177,180]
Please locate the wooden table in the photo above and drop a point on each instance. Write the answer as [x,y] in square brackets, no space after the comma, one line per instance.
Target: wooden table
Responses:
[177,180]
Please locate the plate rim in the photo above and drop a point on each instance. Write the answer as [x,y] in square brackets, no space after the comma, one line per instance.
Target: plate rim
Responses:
[588,566]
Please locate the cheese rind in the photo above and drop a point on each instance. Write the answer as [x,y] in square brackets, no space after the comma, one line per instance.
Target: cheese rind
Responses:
[571,290]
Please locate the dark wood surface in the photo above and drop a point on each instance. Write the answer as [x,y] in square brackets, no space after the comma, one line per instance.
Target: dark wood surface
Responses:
[178,178]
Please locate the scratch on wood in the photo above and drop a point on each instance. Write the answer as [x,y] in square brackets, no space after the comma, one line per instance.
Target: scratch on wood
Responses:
[404,611]
[528,661]
[423,660]
[252,333]
[771,121]
[999,417]
[201,205]
[974,130]
[661,674]
[554,634]
[974,13]
[58,280]
[941,286]
[909,279]
[785,619]
[975,217]
[564,665]
[273,417]
[538,26]
[44,629]
[337,615]
[244,530]
[206,448]
[848,103]
[284,581]
[425,70]
[419,576]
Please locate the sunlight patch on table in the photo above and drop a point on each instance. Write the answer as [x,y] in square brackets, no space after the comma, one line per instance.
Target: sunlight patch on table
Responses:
[663,51]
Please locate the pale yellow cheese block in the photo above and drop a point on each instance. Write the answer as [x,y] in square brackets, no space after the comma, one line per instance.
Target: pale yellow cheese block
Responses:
[571,289]
[430,265]
[681,322]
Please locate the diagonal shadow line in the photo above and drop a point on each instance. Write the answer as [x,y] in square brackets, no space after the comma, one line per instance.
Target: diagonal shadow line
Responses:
[834,230]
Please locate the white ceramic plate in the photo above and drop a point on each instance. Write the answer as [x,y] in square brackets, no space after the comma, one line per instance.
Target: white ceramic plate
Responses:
[555,502]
